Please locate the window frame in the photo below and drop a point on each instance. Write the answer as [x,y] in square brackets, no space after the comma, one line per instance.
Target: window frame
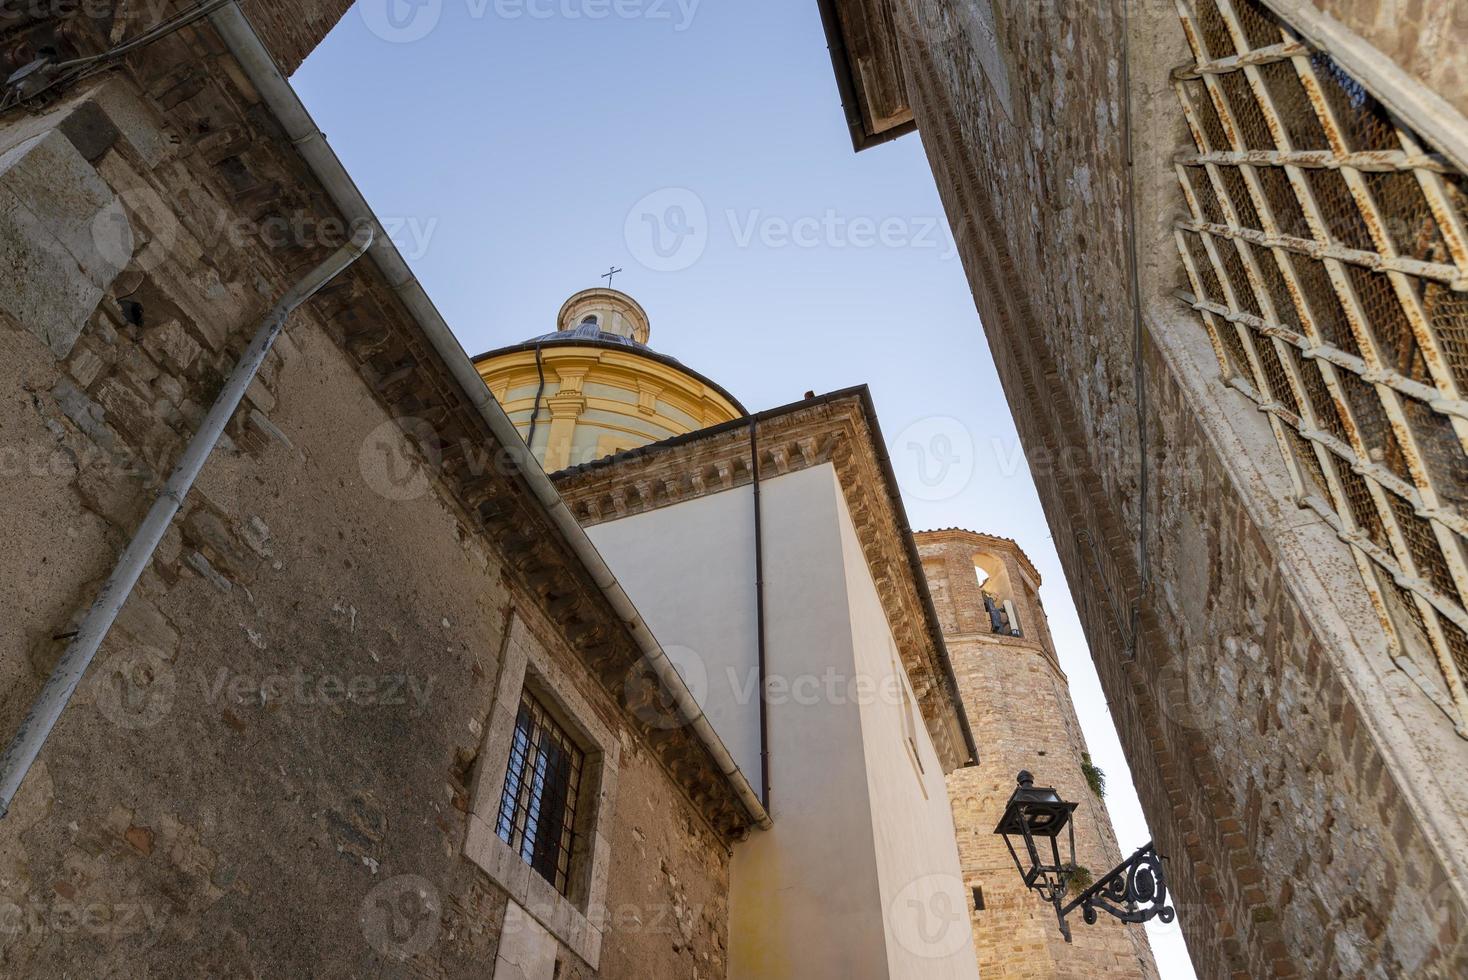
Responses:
[573,917]
[545,770]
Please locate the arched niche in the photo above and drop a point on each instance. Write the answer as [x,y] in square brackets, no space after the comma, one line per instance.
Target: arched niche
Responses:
[999,595]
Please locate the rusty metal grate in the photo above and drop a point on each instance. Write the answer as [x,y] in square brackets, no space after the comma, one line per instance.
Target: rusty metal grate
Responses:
[1327,251]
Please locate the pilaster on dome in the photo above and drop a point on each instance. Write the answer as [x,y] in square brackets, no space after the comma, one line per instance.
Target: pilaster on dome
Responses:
[607,311]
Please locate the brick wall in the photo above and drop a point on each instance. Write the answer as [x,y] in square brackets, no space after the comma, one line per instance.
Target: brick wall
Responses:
[1309,798]
[1018,703]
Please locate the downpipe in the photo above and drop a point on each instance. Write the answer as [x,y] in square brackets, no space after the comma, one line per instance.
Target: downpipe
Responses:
[762,648]
[34,731]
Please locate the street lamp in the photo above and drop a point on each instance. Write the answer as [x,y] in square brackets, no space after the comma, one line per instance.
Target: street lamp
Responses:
[1133,891]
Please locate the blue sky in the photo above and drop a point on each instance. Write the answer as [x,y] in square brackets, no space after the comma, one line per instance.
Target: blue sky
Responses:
[518,149]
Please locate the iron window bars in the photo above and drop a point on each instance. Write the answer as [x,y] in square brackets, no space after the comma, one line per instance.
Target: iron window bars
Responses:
[537,815]
[1328,258]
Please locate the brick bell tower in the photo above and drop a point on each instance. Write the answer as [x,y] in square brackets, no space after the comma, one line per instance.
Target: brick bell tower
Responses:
[1018,701]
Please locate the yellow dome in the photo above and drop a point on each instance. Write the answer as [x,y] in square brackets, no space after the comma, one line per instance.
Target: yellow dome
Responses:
[594,388]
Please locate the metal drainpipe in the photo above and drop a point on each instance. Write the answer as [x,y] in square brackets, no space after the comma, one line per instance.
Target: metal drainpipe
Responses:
[759,606]
[539,393]
[62,684]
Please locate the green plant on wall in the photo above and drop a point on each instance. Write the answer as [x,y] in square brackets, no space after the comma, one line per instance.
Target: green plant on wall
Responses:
[1095,777]
[1078,878]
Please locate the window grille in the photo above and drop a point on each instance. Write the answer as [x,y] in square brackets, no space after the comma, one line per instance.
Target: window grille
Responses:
[1326,253]
[537,815]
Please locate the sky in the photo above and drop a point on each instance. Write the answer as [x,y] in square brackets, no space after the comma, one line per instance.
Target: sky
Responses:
[517,150]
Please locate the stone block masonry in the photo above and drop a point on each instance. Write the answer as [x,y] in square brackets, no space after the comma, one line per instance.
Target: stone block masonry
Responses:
[1019,706]
[65,237]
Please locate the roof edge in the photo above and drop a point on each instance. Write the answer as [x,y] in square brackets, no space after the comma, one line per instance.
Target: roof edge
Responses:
[862,395]
[647,352]
[862,137]
[986,537]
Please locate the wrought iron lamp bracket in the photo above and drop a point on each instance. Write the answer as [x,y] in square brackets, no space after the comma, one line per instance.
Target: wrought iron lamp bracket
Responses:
[1133,891]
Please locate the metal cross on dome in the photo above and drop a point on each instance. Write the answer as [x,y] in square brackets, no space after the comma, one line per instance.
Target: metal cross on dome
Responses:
[609,275]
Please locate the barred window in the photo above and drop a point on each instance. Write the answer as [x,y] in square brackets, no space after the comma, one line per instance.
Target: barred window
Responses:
[1327,253]
[537,814]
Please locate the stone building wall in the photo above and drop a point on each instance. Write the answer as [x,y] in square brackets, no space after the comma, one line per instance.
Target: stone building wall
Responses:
[1019,706]
[1308,795]
[266,771]
[292,29]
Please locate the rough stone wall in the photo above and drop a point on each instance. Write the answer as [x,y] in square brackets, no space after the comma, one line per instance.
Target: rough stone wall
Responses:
[266,769]
[1018,703]
[1305,795]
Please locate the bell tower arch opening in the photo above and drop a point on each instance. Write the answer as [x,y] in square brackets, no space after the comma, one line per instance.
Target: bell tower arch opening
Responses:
[998,594]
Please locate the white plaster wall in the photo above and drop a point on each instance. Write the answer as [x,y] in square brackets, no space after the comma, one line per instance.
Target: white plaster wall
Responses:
[806,901]
[928,928]
[689,568]
[860,876]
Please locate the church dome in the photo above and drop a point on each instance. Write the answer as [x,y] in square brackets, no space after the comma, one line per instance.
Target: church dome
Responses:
[594,387]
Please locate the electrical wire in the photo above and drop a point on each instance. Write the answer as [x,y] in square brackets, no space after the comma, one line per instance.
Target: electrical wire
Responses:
[76,69]
[1139,337]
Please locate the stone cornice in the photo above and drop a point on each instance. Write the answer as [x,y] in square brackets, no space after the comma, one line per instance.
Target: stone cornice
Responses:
[835,430]
[1019,644]
[981,540]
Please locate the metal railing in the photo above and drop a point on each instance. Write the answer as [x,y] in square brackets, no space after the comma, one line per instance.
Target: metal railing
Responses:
[1327,250]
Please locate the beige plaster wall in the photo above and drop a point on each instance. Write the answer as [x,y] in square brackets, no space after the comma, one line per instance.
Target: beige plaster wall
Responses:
[860,866]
